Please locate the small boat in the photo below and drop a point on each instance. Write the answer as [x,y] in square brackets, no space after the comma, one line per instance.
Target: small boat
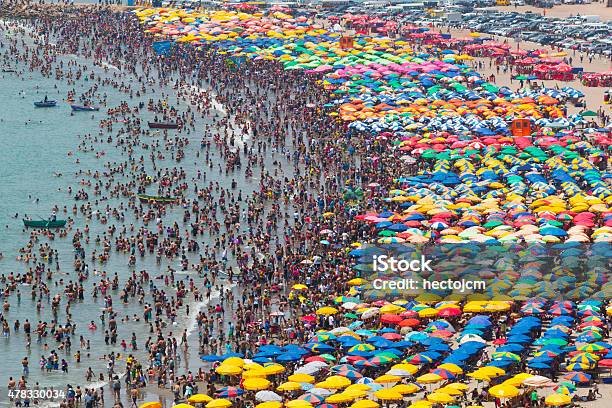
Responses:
[147,199]
[84,108]
[44,223]
[163,125]
[8,70]
[45,104]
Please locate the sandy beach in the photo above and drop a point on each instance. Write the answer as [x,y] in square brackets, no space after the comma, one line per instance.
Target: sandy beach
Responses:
[204,196]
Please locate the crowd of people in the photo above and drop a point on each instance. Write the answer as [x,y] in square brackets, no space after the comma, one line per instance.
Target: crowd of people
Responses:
[289,165]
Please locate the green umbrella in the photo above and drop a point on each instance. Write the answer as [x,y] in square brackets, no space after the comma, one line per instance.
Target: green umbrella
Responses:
[588,113]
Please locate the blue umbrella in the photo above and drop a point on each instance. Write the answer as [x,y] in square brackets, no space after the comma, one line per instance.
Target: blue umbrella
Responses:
[538,365]
[211,358]
[288,357]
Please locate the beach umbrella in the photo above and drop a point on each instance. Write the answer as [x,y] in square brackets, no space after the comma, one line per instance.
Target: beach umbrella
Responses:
[152,404]
[256,384]
[197,399]
[338,398]
[429,378]
[577,377]
[226,369]
[312,398]
[326,311]
[387,378]
[183,405]
[268,396]
[536,381]
[405,389]
[219,403]
[453,368]
[230,392]
[388,395]
[410,368]
[558,400]
[440,398]
[269,404]
[298,404]
[301,378]
[365,404]
[290,385]
[504,391]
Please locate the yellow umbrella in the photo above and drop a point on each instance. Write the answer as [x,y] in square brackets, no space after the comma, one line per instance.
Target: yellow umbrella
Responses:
[558,400]
[302,378]
[252,366]
[298,404]
[453,368]
[226,369]
[479,376]
[388,395]
[289,386]
[365,404]
[299,286]
[458,386]
[269,404]
[356,282]
[358,387]
[273,368]
[450,391]
[197,399]
[405,388]
[335,382]
[354,393]
[219,403]
[386,379]
[183,406]
[338,398]
[327,310]
[491,371]
[504,391]
[428,312]
[234,361]
[254,374]
[411,368]
[256,384]
[440,397]
[153,404]
[421,404]
[429,378]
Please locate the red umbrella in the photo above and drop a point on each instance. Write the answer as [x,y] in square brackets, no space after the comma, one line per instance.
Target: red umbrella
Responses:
[449,312]
[315,358]
[605,363]
[443,334]
[392,336]
[410,322]
[391,318]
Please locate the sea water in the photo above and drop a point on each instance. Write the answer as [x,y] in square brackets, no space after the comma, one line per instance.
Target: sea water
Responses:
[35,172]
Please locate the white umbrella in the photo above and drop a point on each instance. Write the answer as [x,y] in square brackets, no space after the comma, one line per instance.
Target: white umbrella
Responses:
[398,372]
[370,313]
[349,305]
[339,330]
[471,337]
[312,367]
[323,392]
[538,381]
[266,396]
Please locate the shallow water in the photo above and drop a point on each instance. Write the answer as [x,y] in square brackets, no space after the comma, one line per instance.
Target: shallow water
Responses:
[35,146]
